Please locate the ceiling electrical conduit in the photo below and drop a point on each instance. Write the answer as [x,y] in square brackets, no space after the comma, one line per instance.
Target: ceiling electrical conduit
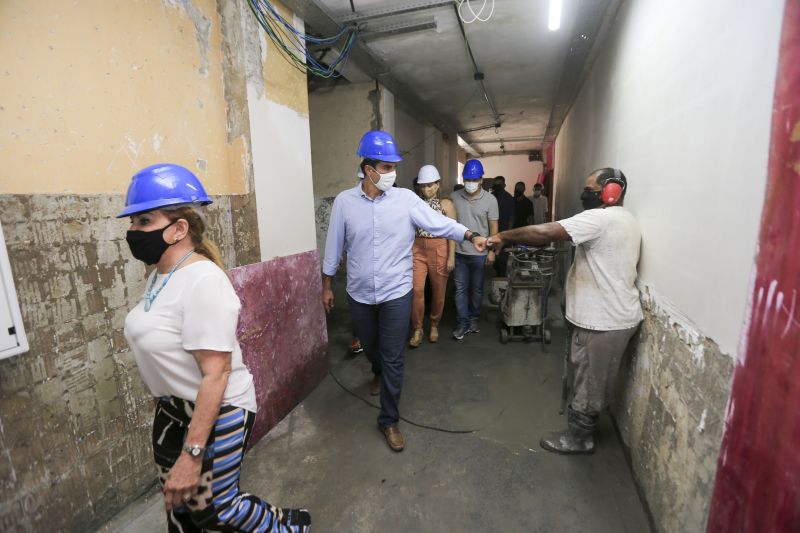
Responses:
[478,75]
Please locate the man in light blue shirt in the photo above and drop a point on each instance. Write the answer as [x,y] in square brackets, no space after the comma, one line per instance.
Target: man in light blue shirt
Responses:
[375,224]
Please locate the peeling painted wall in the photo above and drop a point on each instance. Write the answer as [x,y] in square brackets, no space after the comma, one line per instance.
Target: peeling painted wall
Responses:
[125,84]
[93,91]
[681,103]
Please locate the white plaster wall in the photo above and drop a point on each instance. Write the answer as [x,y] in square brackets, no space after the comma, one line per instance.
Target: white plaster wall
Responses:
[680,100]
[339,117]
[411,135]
[514,168]
[282,175]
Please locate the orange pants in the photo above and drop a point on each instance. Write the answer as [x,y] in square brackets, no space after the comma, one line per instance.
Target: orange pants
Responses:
[430,259]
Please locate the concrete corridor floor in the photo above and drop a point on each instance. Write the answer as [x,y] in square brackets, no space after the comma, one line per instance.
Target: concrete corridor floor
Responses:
[329,457]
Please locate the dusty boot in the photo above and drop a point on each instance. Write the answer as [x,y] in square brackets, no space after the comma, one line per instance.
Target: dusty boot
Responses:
[434,336]
[577,440]
[416,338]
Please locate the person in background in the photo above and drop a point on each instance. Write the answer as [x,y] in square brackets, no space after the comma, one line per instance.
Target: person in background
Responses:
[539,204]
[477,209]
[505,205]
[183,336]
[523,208]
[602,298]
[434,259]
[375,223]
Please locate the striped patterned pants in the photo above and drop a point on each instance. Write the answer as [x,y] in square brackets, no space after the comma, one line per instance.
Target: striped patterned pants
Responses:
[219,504]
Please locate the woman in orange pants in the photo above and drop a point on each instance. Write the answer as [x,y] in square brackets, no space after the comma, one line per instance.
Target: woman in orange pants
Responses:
[434,257]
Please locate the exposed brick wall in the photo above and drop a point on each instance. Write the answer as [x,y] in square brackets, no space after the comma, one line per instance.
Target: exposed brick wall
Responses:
[74,415]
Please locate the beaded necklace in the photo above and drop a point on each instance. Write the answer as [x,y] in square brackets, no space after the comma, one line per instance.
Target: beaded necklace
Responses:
[149,297]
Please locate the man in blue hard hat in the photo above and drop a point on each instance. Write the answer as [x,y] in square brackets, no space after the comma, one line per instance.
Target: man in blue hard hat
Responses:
[477,209]
[375,223]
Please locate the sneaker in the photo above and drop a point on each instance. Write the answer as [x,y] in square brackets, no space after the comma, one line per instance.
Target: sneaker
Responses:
[294,519]
[460,331]
[474,327]
[355,346]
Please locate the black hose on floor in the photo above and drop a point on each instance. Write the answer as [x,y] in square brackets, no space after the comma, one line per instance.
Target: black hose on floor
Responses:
[406,420]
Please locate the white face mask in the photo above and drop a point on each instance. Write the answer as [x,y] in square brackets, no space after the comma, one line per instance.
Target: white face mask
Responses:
[471,186]
[386,181]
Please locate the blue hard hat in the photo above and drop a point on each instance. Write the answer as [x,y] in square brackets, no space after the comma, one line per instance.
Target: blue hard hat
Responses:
[162,185]
[473,170]
[380,146]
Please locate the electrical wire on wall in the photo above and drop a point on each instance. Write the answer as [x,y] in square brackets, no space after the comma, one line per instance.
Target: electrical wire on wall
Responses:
[293,44]
[473,16]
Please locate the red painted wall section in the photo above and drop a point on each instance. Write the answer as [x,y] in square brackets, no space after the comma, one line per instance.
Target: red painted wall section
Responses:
[282,332]
[758,478]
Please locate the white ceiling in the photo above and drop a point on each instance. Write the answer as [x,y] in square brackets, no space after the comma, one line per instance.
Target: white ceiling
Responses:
[521,59]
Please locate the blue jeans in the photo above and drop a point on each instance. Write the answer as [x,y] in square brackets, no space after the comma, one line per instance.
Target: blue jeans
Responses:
[383,331]
[469,276]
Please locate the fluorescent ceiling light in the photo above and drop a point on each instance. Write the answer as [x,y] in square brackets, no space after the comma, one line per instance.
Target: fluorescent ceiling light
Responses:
[555,15]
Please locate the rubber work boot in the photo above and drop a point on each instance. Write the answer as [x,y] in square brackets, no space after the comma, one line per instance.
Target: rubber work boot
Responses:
[434,336]
[375,386]
[416,338]
[578,439]
[393,438]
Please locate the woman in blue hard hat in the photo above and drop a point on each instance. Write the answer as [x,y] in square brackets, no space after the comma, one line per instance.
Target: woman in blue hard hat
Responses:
[183,336]
[434,259]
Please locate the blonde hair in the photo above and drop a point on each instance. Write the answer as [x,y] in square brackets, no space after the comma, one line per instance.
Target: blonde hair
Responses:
[197,229]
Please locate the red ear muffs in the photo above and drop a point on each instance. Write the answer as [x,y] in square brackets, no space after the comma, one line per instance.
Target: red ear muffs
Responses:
[611,193]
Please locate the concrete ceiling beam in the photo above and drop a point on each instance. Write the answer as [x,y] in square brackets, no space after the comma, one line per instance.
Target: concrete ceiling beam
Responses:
[404,9]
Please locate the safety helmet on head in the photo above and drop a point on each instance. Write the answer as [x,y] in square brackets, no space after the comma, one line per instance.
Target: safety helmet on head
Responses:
[162,185]
[380,146]
[473,170]
[428,174]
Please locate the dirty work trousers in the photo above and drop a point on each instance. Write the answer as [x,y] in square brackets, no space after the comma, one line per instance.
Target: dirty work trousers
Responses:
[383,329]
[595,358]
[219,504]
[430,260]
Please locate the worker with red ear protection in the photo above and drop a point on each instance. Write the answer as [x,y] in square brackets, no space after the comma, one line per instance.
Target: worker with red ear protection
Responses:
[603,305]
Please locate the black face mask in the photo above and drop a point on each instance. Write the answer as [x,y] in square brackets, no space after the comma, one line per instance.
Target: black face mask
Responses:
[591,199]
[148,246]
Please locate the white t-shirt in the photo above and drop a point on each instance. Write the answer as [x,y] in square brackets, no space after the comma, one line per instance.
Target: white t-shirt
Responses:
[601,285]
[197,310]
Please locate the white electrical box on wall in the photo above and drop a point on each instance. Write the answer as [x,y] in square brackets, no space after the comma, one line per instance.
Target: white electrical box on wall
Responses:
[12,332]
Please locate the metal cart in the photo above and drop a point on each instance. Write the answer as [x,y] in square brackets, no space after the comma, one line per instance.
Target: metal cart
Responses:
[523,295]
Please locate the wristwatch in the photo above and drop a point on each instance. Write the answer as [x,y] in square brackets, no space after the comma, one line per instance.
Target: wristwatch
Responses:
[472,236]
[195,450]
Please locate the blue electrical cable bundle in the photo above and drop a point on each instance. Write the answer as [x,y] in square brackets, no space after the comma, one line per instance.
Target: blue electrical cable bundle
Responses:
[293,43]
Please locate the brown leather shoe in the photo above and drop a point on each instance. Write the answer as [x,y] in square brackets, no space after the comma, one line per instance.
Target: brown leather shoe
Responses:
[393,438]
[375,386]
[416,338]
[434,336]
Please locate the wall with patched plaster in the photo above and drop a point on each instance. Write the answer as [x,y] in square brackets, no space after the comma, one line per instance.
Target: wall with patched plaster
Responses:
[94,91]
[680,100]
